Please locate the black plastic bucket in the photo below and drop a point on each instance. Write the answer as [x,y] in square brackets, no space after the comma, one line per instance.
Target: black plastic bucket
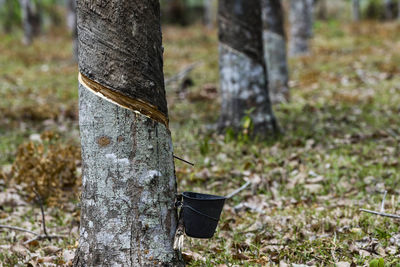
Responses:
[201,214]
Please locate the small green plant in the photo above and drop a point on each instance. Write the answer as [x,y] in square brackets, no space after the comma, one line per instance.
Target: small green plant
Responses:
[377,263]
[382,233]
[247,127]
[204,146]
[229,135]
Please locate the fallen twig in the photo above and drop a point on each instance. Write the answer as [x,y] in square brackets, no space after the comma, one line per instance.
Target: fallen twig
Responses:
[394,216]
[42,210]
[42,237]
[392,133]
[18,229]
[182,74]
[37,236]
[237,191]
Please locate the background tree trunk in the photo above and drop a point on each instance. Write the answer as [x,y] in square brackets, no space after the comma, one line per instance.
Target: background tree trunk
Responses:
[176,11]
[31,20]
[398,10]
[208,13]
[71,23]
[128,189]
[275,50]
[301,24]
[242,70]
[390,7]
[356,10]
[322,9]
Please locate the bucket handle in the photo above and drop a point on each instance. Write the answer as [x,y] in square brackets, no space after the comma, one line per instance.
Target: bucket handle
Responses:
[198,212]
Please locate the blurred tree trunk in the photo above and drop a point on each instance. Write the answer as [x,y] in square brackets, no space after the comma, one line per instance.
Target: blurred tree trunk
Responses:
[322,9]
[275,50]
[31,20]
[208,13]
[244,85]
[356,10]
[176,11]
[390,7]
[128,216]
[398,10]
[71,23]
[301,26]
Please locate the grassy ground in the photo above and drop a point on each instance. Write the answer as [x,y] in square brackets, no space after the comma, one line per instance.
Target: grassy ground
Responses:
[339,151]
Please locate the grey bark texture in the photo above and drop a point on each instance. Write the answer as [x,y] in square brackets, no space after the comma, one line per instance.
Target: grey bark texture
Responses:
[31,20]
[275,50]
[322,9]
[209,13]
[390,7]
[71,23]
[128,216]
[301,26]
[243,79]
[128,34]
[398,10]
[356,10]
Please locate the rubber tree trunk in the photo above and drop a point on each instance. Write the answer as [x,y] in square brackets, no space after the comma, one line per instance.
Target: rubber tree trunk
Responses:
[275,50]
[301,26]
[322,9]
[71,23]
[398,10]
[128,188]
[31,20]
[244,85]
[209,13]
[176,11]
[390,7]
[356,10]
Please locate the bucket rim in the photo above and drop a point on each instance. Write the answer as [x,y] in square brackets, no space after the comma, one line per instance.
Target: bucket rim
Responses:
[214,197]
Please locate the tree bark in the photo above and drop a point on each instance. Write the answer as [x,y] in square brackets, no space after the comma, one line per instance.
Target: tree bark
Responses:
[244,85]
[322,12]
[31,20]
[208,13]
[356,10]
[389,9]
[301,26]
[275,50]
[130,45]
[128,216]
[398,10]
[71,23]
[176,12]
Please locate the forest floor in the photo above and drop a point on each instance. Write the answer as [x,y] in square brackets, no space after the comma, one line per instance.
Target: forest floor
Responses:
[339,151]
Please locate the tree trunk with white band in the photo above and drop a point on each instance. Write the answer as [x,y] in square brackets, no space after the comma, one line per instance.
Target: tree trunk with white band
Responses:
[31,20]
[275,50]
[243,77]
[301,26]
[128,216]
